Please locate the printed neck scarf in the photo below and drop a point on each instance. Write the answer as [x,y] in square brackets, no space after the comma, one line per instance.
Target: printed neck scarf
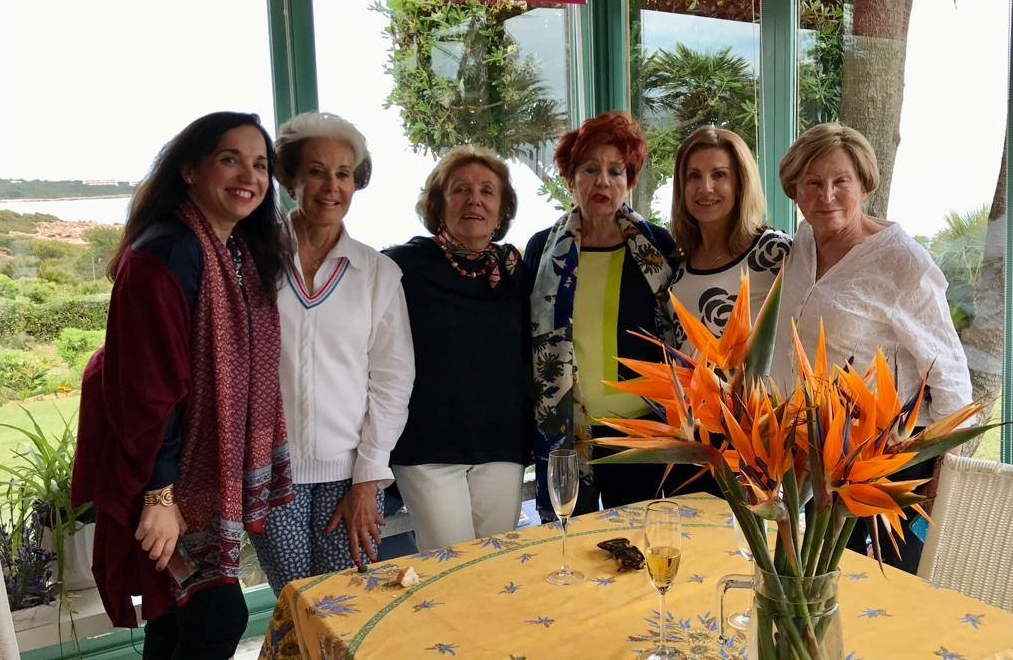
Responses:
[234,462]
[487,262]
[559,409]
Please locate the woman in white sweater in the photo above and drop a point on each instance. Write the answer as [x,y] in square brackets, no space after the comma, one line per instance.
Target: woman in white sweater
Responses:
[347,364]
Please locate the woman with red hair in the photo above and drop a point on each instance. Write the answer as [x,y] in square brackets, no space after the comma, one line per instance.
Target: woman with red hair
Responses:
[583,322]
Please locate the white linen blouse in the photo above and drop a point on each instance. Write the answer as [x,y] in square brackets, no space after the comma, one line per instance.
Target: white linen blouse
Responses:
[347,364]
[885,292]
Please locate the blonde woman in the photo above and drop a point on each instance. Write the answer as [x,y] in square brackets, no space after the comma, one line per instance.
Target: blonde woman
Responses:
[717,214]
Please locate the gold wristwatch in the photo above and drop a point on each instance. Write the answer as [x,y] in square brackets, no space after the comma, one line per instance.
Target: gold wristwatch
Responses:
[165,497]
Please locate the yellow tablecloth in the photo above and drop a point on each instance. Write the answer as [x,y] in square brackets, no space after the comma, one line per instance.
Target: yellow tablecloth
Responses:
[489,599]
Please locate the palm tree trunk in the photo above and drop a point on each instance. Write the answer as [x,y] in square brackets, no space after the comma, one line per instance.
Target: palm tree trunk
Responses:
[873,84]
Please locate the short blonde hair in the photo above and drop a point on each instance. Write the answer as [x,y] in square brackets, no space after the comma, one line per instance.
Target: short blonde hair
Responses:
[820,140]
[750,204]
[431,205]
[297,131]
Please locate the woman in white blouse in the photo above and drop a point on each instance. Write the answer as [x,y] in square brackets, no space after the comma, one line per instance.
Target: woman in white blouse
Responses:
[717,214]
[870,283]
[347,363]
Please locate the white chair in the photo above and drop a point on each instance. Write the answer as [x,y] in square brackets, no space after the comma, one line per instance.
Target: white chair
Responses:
[970,548]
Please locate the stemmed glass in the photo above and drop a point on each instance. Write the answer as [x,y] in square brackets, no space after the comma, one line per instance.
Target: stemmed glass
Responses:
[563,481]
[663,549]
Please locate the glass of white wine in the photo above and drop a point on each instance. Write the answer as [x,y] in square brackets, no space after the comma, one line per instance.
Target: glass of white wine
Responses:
[563,479]
[663,550]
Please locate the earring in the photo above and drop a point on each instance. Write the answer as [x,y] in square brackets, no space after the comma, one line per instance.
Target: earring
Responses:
[189,181]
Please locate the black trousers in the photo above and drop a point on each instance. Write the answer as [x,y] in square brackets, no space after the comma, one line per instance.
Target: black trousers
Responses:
[912,546]
[209,627]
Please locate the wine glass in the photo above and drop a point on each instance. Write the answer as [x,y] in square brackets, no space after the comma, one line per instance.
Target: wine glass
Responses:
[563,481]
[663,547]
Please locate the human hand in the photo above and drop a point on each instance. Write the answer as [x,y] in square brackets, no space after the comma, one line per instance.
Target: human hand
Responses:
[159,529]
[358,511]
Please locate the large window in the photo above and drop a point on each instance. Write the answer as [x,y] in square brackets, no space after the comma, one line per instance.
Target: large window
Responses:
[418,78]
[689,68]
[926,83]
[92,90]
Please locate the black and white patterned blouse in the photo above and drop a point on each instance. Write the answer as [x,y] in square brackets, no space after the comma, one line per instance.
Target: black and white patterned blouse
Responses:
[711,293]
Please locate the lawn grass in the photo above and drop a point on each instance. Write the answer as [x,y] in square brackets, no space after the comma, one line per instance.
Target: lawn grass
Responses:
[45,411]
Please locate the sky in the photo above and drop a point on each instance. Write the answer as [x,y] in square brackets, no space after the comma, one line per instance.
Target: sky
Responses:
[94,89]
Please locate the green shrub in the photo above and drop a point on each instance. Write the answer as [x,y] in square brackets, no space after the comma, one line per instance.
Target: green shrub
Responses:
[22,374]
[73,342]
[19,341]
[53,270]
[8,287]
[45,321]
[87,313]
[49,249]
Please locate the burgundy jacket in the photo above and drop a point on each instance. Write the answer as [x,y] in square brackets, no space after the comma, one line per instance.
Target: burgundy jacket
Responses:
[130,389]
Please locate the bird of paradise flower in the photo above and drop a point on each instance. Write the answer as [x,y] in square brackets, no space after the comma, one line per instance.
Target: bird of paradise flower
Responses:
[510,588]
[973,620]
[828,445]
[946,654]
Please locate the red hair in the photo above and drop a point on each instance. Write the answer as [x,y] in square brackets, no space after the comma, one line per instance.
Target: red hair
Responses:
[615,128]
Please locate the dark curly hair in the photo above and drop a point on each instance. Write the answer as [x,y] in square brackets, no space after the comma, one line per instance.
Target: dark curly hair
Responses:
[163,190]
[430,205]
[616,128]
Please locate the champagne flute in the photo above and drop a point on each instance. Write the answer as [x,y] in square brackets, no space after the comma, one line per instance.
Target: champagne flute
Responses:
[563,481]
[663,547]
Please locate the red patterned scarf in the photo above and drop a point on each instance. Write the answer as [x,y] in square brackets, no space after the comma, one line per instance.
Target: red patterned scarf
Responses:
[234,462]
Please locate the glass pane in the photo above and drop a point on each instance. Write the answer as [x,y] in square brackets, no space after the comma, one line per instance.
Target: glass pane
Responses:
[926,82]
[418,78]
[689,68]
[97,89]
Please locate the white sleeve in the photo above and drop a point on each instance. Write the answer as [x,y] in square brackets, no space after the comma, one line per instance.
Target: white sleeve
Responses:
[925,329]
[391,376]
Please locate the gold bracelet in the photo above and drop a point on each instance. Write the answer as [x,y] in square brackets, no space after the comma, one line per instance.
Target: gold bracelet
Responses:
[165,497]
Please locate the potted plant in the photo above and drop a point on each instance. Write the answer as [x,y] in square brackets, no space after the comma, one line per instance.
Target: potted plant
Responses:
[825,448]
[40,486]
[27,565]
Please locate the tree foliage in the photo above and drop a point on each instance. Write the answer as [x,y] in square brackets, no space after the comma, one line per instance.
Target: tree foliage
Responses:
[458,78]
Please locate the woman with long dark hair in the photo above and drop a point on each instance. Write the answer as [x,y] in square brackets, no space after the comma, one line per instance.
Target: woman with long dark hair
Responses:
[181,444]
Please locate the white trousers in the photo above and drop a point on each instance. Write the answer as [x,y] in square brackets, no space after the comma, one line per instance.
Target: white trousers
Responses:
[455,503]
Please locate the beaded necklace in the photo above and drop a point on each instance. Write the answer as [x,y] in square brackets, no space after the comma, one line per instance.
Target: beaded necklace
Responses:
[457,267]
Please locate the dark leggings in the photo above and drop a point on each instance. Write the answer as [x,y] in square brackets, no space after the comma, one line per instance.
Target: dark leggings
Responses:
[208,627]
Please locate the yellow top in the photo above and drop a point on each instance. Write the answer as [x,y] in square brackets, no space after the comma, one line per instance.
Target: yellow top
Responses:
[595,328]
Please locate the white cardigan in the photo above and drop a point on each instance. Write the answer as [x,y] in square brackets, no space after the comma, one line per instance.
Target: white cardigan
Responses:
[885,292]
[347,364]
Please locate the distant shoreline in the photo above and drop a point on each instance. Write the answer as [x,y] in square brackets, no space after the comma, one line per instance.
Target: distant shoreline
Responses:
[61,199]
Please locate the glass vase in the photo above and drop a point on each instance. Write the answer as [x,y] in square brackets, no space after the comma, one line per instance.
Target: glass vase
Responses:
[795,618]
